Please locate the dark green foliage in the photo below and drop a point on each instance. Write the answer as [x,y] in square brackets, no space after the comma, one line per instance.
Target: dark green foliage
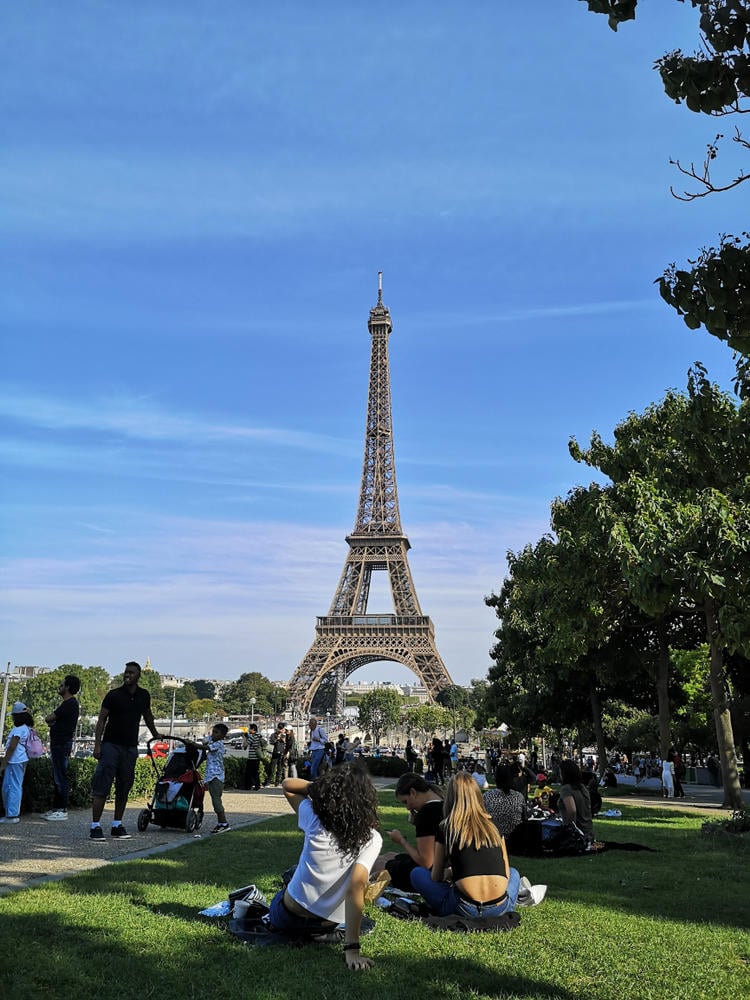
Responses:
[617,11]
[386,767]
[715,80]
[715,293]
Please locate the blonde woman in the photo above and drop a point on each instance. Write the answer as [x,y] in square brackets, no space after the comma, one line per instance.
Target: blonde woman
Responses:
[484,884]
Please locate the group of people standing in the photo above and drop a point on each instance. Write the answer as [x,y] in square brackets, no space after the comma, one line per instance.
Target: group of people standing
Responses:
[62,727]
[279,753]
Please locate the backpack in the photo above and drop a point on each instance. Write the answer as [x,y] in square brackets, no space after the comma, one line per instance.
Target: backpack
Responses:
[34,746]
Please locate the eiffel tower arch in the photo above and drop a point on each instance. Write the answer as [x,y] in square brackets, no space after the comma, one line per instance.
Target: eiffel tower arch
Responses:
[348,637]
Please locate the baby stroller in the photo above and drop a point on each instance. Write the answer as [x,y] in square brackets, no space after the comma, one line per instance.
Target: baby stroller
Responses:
[179,792]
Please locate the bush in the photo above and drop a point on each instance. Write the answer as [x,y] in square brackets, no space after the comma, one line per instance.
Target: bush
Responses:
[737,823]
[386,767]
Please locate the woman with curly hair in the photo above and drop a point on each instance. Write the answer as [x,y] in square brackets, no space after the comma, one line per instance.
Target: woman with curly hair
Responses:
[484,884]
[338,815]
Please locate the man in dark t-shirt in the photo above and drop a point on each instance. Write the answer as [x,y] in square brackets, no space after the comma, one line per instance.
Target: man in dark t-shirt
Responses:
[62,729]
[116,748]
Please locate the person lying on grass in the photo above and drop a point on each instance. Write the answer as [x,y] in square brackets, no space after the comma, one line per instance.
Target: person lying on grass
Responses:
[483,883]
[338,814]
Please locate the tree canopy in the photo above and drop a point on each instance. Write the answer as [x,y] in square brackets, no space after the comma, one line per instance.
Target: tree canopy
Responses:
[379,711]
[714,290]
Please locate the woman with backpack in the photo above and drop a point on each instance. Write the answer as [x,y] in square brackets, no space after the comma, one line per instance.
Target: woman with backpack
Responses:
[13,764]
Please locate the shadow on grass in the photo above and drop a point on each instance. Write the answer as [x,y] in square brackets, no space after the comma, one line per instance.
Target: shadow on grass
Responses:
[66,958]
[690,879]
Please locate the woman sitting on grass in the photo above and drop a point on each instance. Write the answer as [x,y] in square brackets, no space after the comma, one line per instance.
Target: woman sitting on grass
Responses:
[506,806]
[424,803]
[575,801]
[484,884]
[338,815]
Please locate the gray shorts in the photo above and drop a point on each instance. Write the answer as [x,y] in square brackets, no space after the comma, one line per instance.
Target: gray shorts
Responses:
[116,763]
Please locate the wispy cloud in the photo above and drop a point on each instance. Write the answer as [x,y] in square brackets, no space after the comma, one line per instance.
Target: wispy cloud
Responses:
[208,598]
[142,419]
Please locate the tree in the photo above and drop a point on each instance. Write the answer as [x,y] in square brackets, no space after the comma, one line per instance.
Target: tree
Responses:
[161,704]
[204,688]
[566,641]
[678,520]
[40,693]
[715,291]
[427,719]
[198,708]
[380,710]
[269,699]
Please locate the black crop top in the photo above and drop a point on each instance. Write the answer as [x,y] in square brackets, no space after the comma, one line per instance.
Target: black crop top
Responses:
[474,861]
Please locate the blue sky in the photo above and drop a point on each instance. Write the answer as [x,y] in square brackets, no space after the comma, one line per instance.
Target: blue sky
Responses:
[196,201]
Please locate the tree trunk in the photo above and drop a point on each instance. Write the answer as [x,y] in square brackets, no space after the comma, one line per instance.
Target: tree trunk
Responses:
[596,716]
[662,688]
[722,717]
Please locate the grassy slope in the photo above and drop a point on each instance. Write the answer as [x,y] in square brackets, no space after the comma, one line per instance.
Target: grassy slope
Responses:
[621,926]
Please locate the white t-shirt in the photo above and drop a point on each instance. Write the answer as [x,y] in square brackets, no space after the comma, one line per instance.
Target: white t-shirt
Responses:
[19,754]
[321,881]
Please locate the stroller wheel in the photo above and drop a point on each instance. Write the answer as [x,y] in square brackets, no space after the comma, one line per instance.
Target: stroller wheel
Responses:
[191,821]
[144,818]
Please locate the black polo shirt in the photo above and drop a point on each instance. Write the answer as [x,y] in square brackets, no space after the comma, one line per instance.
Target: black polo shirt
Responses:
[125,713]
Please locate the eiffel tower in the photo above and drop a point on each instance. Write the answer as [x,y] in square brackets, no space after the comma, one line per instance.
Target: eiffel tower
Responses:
[347,637]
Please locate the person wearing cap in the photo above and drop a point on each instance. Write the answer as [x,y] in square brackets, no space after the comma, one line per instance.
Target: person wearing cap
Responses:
[13,764]
[116,748]
[62,728]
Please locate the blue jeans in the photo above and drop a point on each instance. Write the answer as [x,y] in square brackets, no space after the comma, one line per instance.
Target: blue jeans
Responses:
[442,898]
[13,788]
[316,759]
[284,920]
[60,756]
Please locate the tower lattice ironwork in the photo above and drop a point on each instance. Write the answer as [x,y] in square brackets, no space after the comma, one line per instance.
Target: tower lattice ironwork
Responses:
[348,637]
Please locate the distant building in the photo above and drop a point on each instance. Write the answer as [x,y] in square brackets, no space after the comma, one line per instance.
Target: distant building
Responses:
[26,673]
[417,692]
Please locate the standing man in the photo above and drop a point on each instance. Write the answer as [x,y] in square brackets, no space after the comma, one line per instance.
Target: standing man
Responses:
[62,729]
[453,754]
[291,753]
[318,740]
[256,751]
[116,748]
[275,774]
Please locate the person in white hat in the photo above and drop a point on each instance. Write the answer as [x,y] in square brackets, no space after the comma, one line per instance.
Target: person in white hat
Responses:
[13,764]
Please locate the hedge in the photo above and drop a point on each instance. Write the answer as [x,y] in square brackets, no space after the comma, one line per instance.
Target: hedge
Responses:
[38,788]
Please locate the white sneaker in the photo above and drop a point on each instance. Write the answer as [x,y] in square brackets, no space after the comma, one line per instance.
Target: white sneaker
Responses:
[10,819]
[531,895]
[56,814]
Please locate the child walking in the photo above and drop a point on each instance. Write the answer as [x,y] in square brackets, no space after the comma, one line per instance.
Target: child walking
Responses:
[214,747]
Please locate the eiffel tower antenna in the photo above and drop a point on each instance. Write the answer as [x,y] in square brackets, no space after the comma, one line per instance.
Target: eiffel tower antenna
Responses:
[348,637]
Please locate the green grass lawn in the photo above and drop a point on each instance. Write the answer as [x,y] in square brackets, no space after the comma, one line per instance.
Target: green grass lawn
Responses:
[621,926]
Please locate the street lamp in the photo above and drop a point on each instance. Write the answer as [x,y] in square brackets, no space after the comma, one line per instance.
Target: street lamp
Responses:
[252,711]
[6,680]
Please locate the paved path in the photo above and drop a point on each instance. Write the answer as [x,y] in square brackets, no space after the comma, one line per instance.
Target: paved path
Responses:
[35,851]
